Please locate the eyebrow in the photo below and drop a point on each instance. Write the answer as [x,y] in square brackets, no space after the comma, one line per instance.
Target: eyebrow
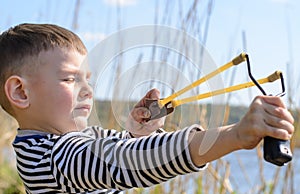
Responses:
[70,70]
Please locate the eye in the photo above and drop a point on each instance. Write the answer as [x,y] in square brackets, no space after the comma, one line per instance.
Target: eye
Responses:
[90,83]
[88,79]
[70,79]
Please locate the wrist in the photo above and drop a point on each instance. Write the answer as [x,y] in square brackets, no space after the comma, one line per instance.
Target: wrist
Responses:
[134,135]
[236,137]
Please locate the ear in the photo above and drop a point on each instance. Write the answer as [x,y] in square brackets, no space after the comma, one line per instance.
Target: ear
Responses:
[17,92]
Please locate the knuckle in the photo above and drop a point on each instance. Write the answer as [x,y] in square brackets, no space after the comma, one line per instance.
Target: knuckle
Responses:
[253,119]
[273,132]
[258,99]
[255,105]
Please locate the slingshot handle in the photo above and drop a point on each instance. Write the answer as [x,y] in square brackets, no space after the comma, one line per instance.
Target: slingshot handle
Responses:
[277,151]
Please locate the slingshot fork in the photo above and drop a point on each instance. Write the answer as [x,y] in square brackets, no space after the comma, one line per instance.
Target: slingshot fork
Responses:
[165,106]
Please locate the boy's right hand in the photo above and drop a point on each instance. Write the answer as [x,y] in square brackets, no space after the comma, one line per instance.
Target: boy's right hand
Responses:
[267,116]
[137,123]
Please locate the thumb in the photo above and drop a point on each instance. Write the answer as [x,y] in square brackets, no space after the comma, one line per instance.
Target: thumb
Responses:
[139,114]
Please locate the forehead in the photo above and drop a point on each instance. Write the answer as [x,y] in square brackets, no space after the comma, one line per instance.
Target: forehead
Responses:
[62,58]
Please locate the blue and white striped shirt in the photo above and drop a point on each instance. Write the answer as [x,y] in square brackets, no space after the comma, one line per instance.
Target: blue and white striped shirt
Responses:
[96,160]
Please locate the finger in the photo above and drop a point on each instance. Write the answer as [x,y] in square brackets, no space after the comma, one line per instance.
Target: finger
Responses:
[152,94]
[154,124]
[139,114]
[144,128]
[278,123]
[274,100]
[278,133]
[275,106]
[279,112]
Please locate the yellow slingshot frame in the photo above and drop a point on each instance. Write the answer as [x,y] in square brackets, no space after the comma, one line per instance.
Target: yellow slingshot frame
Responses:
[163,107]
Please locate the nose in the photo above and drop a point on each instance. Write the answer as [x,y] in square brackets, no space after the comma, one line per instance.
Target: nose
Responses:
[86,90]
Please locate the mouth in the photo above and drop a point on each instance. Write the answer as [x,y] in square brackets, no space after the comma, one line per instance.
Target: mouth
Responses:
[84,108]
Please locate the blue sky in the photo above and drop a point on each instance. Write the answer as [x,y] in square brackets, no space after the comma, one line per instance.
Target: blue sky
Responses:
[271,27]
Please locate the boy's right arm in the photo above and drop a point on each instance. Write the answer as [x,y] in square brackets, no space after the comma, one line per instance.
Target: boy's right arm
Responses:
[88,163]
[267,116]
[125,163]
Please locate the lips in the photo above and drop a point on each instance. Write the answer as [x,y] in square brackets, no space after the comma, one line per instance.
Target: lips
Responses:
[84,108]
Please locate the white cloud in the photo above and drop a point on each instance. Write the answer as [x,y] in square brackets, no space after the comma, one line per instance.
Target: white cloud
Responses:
[120,2]
[93,37]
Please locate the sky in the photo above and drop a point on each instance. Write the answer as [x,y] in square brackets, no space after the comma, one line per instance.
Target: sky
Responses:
[268,30]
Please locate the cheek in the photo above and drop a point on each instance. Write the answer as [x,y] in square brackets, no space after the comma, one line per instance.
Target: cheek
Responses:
[63,98]
[66,98]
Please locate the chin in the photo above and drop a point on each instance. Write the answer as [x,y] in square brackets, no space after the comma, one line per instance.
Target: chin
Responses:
[80,124]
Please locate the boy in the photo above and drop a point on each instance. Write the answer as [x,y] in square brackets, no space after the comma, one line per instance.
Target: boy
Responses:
[44,86]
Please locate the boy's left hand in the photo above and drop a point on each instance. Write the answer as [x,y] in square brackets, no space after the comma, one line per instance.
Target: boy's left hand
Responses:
[136,123]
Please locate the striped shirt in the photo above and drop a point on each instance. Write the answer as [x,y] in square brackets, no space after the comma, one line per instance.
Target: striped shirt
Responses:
[96,160]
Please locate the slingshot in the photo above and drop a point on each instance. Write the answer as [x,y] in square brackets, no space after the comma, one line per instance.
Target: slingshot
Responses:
[276,151]
[163,107]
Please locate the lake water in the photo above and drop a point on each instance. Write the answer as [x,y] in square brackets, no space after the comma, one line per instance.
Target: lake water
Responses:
[244,178]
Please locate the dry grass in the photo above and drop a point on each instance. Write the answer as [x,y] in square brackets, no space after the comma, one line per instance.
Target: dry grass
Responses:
[216,179]
[9,179]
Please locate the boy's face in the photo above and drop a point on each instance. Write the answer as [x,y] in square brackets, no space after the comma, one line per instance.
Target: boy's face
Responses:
[60,96]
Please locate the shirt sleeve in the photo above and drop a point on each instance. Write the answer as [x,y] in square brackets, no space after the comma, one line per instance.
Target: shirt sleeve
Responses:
[80,162]
[99,132]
